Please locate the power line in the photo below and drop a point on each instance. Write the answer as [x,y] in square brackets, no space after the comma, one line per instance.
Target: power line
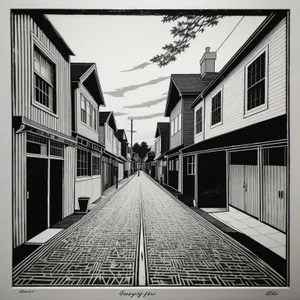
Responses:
[231,32]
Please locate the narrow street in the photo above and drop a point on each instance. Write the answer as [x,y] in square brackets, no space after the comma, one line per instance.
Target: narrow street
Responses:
[143,236]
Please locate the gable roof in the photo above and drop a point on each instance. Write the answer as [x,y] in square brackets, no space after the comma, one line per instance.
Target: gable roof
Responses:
[191,83]
[86,73]
[78,69]
[162,128]
[120,133]
[48,29]
[109,118]
[186,84]
[265,27]
[103,116]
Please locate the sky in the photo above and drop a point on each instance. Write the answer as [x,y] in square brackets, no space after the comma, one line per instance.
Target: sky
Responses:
[122,46]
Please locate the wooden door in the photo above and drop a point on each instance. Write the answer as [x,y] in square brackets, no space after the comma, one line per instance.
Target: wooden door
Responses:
[37,191]
[274,187]
[244,181]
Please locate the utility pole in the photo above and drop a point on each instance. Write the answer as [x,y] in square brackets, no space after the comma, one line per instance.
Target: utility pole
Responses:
[131,146]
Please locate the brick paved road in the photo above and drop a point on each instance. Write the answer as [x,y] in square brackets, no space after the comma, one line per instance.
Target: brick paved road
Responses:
[184,249]
[181,248]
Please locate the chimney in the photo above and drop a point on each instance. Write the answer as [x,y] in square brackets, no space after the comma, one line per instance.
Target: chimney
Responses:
[207,62]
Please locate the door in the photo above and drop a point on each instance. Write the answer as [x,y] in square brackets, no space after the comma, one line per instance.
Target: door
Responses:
[36,206]
[212,179]
[274,187]
[244,181]
[56,181]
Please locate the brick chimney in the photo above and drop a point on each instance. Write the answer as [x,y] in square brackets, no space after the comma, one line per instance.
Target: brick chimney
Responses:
[207,62]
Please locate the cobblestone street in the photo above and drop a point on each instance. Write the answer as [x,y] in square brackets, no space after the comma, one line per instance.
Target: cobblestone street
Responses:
[181,248]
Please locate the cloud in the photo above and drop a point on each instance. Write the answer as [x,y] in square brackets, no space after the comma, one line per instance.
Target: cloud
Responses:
[120,92]
[118,114]
[138,67]
[147,116]
[147,104]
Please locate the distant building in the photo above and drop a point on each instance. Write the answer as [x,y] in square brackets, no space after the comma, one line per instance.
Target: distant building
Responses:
[87,98]
[161,145]
[111,163]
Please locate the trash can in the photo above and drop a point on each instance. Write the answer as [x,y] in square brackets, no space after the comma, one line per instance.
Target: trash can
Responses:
[83,204]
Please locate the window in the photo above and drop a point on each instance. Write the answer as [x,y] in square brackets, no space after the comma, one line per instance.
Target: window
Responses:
[36,144]
[95,165]
[88,113]
[256,82]
[83,109]
[44,81]
[179,122]
[216,109]
[56,149]
[176,124]
[83,163]
[191,165]
[95,118]
[199,120]
[177,164]
[170,165]
[89,121]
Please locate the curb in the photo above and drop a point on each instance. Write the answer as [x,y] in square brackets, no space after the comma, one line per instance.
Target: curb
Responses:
[251,255]
[35,255]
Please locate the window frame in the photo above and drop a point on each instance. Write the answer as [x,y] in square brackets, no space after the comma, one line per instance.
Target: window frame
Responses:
[37,44]
[90,122]
[221,109]
[263,106]
[201,120]
[192,164]
[98,156]
[88,163]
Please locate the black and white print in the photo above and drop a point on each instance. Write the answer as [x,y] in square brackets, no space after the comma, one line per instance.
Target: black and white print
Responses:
[152,154]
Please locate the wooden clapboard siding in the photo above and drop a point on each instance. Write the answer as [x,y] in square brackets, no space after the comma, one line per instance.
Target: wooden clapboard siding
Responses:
[87,187]
[19,188]
[23,30]
[69,179]
[274,208]
[82,128]
[233,87]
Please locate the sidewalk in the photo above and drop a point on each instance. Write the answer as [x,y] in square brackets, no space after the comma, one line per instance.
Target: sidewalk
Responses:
[275,260]
[23,251]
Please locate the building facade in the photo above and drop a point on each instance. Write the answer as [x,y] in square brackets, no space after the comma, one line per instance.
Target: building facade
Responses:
[111,163]
[162,141]
[240,155]
[87,98]
[183,90]
[43,147]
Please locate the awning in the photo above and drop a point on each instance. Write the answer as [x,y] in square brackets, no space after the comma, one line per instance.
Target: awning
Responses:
[174,150]
[122,158]
[271,130]
[24,124]
[113,156]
